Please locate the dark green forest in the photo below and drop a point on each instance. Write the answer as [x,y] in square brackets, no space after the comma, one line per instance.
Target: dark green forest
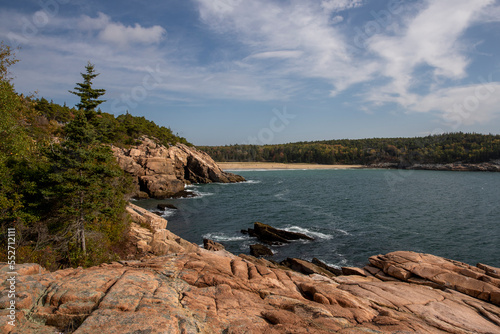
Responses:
[444,148]
[61,188]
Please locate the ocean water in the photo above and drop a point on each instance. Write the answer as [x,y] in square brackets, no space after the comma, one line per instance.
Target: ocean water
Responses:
[352,214]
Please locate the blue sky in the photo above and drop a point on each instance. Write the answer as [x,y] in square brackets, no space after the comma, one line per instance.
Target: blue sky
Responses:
[270,71]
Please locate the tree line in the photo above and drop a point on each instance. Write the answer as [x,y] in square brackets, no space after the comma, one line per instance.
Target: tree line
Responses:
[440,149]
[60,185]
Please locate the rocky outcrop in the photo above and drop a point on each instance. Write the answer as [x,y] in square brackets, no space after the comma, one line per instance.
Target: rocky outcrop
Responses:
[149,236]
[162,172]
[481,282]
[201,291]
[270,235]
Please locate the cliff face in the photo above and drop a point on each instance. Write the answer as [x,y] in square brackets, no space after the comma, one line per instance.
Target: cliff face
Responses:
[163,172]
[193,290]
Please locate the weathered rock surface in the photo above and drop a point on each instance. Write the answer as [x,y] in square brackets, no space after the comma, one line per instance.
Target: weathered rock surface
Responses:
[480,282]
[201,291]
[163,172]
[306,267]
[323,265]
[270,235]
[259,250]
[149,235]
[193,290]
[212,245]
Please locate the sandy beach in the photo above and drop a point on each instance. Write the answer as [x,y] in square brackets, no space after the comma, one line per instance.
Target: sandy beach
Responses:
[272,165]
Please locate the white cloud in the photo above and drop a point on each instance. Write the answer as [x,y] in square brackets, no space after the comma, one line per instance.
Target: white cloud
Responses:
[339,5]
[300,28]
[464,105]
[119,34]
[90,23]
[276,54]
[337,19]
[433,39]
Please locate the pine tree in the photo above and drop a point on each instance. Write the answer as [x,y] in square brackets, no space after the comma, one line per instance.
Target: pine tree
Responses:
[89,97]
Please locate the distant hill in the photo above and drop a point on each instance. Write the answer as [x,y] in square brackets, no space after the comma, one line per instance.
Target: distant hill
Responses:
[437,149]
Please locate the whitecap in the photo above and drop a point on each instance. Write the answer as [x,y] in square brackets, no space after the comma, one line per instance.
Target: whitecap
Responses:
[342,231]
[252,181]
[168,213]
[308,232]
[221,236]
[281,195]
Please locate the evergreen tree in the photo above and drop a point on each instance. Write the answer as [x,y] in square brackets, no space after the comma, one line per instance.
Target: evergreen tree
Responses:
[86,189]
[89,97]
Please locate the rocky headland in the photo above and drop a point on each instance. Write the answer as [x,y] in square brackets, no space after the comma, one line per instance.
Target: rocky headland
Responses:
[174,286]
[161,171]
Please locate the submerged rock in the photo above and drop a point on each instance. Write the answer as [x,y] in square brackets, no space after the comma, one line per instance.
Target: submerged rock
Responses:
[162,172]
[165,206]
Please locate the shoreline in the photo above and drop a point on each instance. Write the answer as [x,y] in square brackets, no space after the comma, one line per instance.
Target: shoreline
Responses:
[278,166]
[457,166]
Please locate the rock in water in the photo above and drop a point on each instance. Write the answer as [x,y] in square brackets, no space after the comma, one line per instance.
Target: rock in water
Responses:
[269,234]
[166,206]
[162,172]
[259,250]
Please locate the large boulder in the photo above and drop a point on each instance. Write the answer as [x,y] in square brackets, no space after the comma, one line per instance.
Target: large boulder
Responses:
[270,235]
[162,172]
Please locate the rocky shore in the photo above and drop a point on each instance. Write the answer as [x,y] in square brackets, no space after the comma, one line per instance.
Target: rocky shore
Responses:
[161,171]
[493,166]
[175,286]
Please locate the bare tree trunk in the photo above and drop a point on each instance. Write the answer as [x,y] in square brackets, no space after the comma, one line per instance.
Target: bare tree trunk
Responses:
[81,226]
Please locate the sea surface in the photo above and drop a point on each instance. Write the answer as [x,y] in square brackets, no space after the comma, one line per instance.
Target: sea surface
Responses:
[352,214]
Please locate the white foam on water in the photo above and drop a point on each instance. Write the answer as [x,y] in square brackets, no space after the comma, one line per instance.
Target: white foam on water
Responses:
[342,231]
[168,213]
[200,194]
[252,182]
[221,236]
[281,195]
[308,232]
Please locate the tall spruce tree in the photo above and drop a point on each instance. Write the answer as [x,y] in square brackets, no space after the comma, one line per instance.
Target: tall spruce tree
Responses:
[87,188]
[89,97]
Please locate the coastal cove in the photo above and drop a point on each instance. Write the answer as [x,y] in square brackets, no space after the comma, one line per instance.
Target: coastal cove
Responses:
[351,214]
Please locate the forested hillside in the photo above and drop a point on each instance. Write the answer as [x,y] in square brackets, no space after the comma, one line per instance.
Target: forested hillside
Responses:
[445,148]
